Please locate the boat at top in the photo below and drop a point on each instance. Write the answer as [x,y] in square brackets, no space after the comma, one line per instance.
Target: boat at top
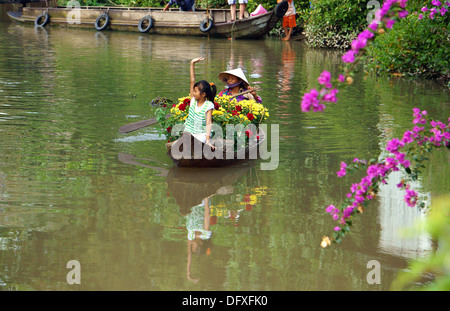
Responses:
[201,22]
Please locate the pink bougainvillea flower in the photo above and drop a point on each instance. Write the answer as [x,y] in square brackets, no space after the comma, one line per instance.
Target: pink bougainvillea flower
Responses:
[325,78]
[389,23]
[403,14]
[417,129]
[436,2]
[408,137]
[366,34]
[400,157]
[331,96]
[373,26]
[393,145]
[402,3]
[342,171]
[331,209]
[359,44]
[310,99]
[349,57]
[410,197]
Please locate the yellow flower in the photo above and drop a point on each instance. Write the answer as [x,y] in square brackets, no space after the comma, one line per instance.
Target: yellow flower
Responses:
[325,242]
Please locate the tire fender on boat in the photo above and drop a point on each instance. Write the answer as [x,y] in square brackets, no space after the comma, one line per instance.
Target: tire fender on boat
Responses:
[99,18]
[281,9]
[141,22]
[206,25]
[46,19]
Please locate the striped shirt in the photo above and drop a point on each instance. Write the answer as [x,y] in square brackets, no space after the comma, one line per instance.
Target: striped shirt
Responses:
[196,120]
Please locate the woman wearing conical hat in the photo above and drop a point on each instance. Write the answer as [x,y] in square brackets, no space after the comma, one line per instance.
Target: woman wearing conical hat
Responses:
[237,83]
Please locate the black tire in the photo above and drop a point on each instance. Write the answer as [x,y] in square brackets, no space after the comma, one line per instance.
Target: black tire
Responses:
[42,20]
[100,27]
[206,25]
[281,9]
[148,27]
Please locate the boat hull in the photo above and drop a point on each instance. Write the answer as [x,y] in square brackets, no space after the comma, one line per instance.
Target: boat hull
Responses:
[171,22]
[193,158]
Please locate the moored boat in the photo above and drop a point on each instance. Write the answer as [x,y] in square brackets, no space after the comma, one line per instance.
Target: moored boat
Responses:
[211,22]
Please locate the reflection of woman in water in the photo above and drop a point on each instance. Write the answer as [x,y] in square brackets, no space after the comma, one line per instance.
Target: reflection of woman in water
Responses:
[197,224]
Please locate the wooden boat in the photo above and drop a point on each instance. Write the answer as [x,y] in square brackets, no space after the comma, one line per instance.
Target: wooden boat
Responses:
[193,158]
[211,22]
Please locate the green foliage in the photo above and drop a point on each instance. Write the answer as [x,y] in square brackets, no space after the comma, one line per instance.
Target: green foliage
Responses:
[416,5]
[436,266]
[335,23]
[413,47]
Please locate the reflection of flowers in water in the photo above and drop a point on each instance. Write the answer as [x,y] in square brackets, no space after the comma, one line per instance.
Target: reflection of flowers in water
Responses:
[229,213]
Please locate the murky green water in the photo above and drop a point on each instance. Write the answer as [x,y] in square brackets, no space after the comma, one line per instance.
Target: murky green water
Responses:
[73,188]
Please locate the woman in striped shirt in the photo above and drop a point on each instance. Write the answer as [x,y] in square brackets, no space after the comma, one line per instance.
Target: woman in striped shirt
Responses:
[202,95]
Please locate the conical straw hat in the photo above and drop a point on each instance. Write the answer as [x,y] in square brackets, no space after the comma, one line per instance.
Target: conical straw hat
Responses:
[235,72]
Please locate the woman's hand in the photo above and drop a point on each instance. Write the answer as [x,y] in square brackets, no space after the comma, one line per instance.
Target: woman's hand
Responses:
[196,60]
[252,90]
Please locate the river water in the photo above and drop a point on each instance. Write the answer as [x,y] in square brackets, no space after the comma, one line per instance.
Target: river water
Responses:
[73,188]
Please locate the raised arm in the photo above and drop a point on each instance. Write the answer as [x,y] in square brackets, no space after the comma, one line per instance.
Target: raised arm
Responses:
[195,60]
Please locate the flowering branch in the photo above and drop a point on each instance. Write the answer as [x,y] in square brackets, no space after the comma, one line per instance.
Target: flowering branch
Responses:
[406,153]
[390,12]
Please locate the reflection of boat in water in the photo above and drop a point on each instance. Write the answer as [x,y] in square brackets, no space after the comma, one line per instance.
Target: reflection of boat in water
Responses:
[189,186]
[212,22]
[197,154]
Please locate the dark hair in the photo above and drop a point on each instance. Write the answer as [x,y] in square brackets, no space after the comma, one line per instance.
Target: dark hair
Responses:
[208,89]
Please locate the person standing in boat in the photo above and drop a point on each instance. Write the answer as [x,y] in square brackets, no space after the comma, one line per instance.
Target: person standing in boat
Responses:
[199,119]
[289,20]
[237,83]
[233,3]
[185,5]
